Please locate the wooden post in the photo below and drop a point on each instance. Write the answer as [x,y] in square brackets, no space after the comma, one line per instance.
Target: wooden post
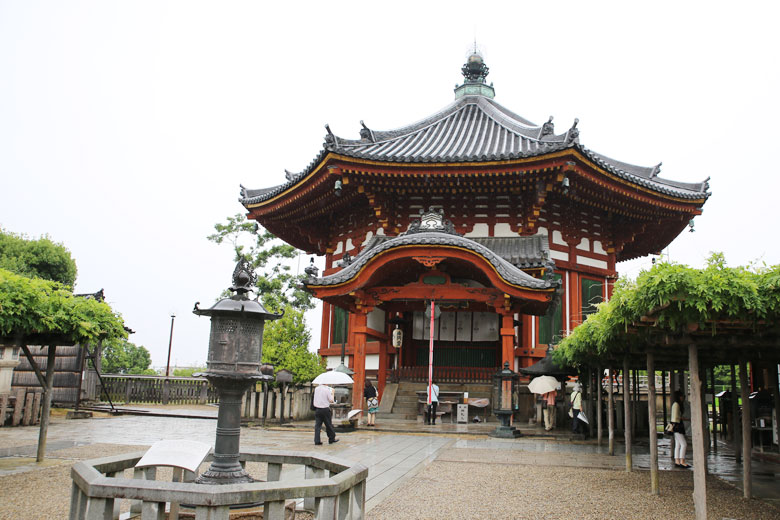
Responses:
[359,359]
[627,412]
[705,424]
[734,432]
[654,489]
[47,391]
[747,440]
[508,340]
[611,412]
[599,405]
[697,431]
[715,413]
[663,396]
[777,396]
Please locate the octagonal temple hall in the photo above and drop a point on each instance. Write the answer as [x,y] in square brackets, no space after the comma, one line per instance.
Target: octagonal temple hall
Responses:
[489,215]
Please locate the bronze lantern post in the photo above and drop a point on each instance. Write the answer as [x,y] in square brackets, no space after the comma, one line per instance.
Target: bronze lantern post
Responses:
[505,383]
[234,364]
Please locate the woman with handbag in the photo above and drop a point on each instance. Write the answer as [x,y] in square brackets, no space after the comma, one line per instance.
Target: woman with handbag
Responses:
[678,427]
[372,401]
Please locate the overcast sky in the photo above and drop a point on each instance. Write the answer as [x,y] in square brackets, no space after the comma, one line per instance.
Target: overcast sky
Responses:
[126,128]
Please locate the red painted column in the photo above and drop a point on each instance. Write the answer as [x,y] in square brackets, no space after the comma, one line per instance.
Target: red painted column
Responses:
[359,359]
[326,324]
[381,377]
[508,340]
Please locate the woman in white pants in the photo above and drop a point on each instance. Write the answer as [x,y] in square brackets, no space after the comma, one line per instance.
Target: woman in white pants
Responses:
[680,444]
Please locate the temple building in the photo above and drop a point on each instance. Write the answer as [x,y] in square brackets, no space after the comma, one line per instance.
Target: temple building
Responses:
[512,229]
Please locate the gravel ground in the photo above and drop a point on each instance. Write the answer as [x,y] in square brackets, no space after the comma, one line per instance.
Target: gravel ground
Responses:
[462,483]
[448,489]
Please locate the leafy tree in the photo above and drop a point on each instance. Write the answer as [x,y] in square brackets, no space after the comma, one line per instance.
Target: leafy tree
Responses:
[32,309]
[276,284]
[41,258]
[286,346]
[124,357]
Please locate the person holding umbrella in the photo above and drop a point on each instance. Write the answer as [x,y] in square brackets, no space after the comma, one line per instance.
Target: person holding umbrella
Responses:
[323,398]
[547,387]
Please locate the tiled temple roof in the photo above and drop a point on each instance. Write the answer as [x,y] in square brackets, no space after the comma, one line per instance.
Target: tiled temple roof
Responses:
[530,250]
[475,128]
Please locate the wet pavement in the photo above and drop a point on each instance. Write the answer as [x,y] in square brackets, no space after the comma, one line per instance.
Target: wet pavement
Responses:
[394,451]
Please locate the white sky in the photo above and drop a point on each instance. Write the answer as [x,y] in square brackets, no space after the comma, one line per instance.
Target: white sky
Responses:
[126,128]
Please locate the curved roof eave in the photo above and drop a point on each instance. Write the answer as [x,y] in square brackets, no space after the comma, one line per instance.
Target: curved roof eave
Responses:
[474,129]
[505,270]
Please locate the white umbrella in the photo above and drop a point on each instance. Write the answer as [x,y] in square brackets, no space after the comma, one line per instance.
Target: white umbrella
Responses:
[332,378]
[543,384]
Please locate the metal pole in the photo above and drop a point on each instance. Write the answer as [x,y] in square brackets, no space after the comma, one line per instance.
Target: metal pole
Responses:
[344,337]
[430,354]
[170,343]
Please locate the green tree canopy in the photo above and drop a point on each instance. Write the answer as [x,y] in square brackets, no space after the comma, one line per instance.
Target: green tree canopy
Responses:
[678,298]
[277,286]
[32,307]
[41,258]
[124,357]
[286,346]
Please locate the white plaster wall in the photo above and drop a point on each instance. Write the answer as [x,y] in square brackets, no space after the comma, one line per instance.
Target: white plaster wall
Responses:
[334,361]
[592,262]
[559,255]
[480,230]
[339,248]
[557,238]
[584,244]
[503,229]
[376,320]
[350,246]
[372,361]
[597,247]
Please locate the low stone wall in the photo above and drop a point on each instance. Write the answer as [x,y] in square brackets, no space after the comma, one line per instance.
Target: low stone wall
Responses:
[331,487]
[296,403]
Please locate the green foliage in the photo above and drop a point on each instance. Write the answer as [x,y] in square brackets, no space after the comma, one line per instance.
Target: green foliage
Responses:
[286,346]
[34,307]
[39,258]
[188,371]
[123,357]
[276,285]
[678,298]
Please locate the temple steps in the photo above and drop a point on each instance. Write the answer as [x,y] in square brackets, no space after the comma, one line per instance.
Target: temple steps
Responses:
[405,404]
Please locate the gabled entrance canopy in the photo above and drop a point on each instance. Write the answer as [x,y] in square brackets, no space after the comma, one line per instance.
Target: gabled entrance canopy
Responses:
[432,262]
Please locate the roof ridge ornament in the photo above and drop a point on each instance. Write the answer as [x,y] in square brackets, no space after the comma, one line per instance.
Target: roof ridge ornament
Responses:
[431,221]
[573,134]
[548,128]
[366,132]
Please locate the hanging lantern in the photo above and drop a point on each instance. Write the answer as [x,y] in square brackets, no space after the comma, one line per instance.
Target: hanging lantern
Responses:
[398,337]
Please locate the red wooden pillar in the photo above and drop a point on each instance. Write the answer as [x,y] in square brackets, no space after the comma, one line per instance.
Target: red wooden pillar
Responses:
[359,358]
[508,340]
[326,325]
[381,377]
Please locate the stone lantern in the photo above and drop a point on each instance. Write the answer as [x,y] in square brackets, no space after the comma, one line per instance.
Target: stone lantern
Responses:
[235,351]
[505,401]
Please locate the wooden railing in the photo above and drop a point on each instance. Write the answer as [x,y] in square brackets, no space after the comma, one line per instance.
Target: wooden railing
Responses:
[21,408]
[331,487]
[158,390]
[445,374]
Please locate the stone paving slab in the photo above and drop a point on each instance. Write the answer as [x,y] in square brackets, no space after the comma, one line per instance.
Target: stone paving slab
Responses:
[392,457]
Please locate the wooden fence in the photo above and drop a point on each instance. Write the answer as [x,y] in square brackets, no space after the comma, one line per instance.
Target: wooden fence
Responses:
[445,374]
[22,407]
[158,390]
